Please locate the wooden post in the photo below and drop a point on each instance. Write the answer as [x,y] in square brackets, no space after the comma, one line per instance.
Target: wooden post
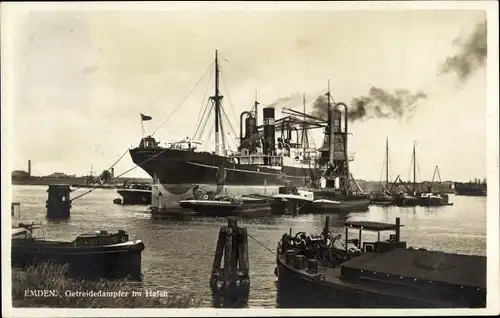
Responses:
[326,229]
[346,238]
[219,251]
[232,245]
[398,229]
[227,257]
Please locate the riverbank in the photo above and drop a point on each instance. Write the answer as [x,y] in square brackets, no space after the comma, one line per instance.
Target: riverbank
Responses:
[79,182]
[63,292]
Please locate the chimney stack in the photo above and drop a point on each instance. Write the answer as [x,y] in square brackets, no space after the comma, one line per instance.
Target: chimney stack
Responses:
[29,168]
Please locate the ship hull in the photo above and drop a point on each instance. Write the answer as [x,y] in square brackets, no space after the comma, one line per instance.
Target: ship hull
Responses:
[112,261]
[300,291]
[180,167]
[135,196]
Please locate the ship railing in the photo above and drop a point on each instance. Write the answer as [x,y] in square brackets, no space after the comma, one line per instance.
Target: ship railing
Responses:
[259,160]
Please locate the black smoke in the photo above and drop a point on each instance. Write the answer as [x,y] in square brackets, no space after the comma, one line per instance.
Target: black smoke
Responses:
[471,55]
[377,104]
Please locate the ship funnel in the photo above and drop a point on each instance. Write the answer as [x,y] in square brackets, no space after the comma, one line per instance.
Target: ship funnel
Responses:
[242,138]
[268,121]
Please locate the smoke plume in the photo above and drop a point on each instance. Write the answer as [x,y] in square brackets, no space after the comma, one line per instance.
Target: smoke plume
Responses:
[288,101]
[377,104]
[471,55]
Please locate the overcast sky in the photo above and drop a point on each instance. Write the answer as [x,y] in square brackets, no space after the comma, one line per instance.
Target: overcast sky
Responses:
[82,78]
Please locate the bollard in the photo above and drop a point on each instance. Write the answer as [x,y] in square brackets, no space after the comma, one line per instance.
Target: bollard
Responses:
[300,262]
[290,257]
[312,266]
[58,203]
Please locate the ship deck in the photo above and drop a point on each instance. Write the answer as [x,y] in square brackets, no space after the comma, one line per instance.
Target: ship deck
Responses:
[428,294]
[431,266]
[332,275]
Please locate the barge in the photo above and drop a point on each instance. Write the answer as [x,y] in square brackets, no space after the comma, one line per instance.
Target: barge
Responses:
[92,256]
[212,205]
[137,194]
[316,271]
[302,201]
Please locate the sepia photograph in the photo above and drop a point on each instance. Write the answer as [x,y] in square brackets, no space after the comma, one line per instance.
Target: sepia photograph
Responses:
[266,158]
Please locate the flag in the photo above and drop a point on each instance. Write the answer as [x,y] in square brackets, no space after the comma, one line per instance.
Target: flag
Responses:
[145,117]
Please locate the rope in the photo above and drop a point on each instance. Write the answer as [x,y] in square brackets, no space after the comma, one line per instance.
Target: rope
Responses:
[199,120]
[233,132]
[228,97]
[202,121]
[254,76]
[114,164]
[91,190]
[253,238]
[202,131]
[178,106]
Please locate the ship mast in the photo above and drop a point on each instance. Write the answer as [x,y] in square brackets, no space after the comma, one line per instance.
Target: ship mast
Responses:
[217,99]
[387,163]
[305,138]
[414,169]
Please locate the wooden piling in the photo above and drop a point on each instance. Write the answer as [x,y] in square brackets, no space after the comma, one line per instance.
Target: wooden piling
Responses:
[232,251]
[219,251]
[326,229]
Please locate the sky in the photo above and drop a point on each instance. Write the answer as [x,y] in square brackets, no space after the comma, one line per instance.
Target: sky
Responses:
[82,78]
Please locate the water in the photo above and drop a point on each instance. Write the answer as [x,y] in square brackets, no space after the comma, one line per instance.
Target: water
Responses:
[179,255]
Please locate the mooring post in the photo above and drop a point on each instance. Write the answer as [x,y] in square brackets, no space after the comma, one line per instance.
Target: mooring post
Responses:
[58,202]
[234,249]
[326,229]
[398,229]
[219,251]
[227,255]
[232,245]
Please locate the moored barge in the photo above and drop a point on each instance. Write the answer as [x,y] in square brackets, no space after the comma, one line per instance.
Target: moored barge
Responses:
[92,256]
[137,194]
[314,272]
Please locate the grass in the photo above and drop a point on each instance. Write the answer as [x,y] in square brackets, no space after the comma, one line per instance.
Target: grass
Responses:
[48,276]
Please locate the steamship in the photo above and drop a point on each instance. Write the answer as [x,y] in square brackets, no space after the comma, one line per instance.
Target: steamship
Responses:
[260,159]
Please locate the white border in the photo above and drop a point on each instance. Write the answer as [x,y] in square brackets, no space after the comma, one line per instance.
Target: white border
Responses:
[9,12]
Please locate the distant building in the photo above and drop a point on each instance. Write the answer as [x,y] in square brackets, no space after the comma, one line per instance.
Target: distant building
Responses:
[18,174]
[57,175]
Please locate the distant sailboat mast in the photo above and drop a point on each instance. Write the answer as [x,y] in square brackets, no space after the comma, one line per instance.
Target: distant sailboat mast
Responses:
[414,169]
[387,163]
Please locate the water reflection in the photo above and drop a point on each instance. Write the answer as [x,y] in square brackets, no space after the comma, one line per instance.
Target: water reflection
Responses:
[179,254]
[236,300]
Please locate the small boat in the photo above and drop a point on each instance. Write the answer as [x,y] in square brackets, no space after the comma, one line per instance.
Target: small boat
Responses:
[317,271]
[406,199]
[433,199]
[289,199]
[215,204]
[93,255]
[382,199]
[224,205]
[136,194]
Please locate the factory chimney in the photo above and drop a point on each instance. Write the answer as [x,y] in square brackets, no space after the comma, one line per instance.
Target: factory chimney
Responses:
[29,168]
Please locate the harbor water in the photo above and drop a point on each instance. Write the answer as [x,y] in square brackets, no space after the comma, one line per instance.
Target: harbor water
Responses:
[179,254]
